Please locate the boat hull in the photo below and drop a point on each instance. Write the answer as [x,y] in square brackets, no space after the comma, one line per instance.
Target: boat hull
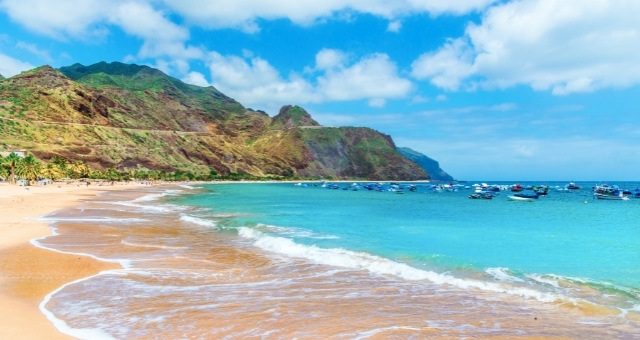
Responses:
[522,199]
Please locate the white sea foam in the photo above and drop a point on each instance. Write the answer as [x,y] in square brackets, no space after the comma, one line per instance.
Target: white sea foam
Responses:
[156,196]
[158,209]
[294,232]
[377,265]
[545,279]
[62,326]
[198,220]
[375,331]
[144,245]
[125,263]
[189,187]
[502,274]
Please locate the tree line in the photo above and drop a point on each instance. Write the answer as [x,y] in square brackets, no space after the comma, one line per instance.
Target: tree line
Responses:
[14,168]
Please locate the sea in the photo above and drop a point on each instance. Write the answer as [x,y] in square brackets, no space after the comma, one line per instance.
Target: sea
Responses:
[318,260]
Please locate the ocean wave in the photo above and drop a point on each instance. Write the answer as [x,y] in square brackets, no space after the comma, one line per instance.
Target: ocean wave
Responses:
[158,209]
[156,196]
[198,220]
[343,258]
[62,326]
[503,274]
[550,280]
[294,232]
[189,187]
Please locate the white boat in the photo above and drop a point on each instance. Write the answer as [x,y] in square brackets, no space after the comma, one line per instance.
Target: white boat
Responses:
[606,192]
[610,197]
[522,199]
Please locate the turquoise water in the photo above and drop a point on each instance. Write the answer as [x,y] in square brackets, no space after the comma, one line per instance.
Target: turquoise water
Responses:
[566,234]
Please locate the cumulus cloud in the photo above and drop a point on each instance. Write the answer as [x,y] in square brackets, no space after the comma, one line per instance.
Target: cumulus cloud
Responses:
[243,14]
[196,78]
[447,67]
[256,82]
[328,59]
[88,19]
[9,66]
[373,77]
[558,46]
[65,18]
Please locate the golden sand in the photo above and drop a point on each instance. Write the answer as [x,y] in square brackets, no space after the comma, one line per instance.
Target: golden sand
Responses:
[28,273]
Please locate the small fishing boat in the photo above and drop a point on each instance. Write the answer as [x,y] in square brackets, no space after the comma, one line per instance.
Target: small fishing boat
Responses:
[541,190]
[572,186]
[611,193]
[482,195]
[525,196]
[517,188]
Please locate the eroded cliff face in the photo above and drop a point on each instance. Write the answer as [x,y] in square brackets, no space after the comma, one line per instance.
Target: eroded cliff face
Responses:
[130,116]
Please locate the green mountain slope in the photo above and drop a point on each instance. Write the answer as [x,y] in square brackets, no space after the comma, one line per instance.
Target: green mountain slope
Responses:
[130,116]
[429,165]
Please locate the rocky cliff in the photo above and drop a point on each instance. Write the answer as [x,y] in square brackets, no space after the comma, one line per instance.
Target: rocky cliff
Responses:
[429,165]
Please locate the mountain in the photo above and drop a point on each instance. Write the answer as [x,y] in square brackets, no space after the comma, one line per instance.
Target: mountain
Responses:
[129,116]
[431,166]
[1,77]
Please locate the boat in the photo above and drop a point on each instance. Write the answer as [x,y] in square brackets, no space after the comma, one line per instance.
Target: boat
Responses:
[572,186]
[609,192]
[517,188]
[529,196]
[482,195]
[541,190]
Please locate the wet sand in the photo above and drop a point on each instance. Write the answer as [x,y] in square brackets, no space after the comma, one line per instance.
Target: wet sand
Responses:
[28,273]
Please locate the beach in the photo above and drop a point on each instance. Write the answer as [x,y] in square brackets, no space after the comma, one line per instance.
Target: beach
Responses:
[28,273]
[138,261]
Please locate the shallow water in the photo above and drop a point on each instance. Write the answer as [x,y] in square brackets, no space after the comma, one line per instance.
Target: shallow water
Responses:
[284,261]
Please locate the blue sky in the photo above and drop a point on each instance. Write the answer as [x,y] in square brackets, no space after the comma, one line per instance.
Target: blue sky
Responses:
[511,90]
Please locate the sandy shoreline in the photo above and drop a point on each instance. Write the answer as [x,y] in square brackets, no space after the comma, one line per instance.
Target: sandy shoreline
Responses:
[28,273]
[381,307]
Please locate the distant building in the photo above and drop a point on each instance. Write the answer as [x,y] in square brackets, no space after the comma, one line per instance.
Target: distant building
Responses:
[19,153]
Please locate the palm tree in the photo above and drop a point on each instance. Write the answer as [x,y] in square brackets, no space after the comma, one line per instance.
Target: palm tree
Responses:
[4,173]
[9,164]
[52,171]
[28,168]
[78,169]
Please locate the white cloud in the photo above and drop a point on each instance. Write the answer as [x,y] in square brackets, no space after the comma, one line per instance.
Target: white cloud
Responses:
[256,82]
[88,19]
[196,78]
[558,46]
[394,26]
[244,13]
[373,77]
[65,18]
[447,67]
[328,59]
[9,66]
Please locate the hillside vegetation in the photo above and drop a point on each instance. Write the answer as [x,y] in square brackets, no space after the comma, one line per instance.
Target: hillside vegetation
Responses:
[131,117]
